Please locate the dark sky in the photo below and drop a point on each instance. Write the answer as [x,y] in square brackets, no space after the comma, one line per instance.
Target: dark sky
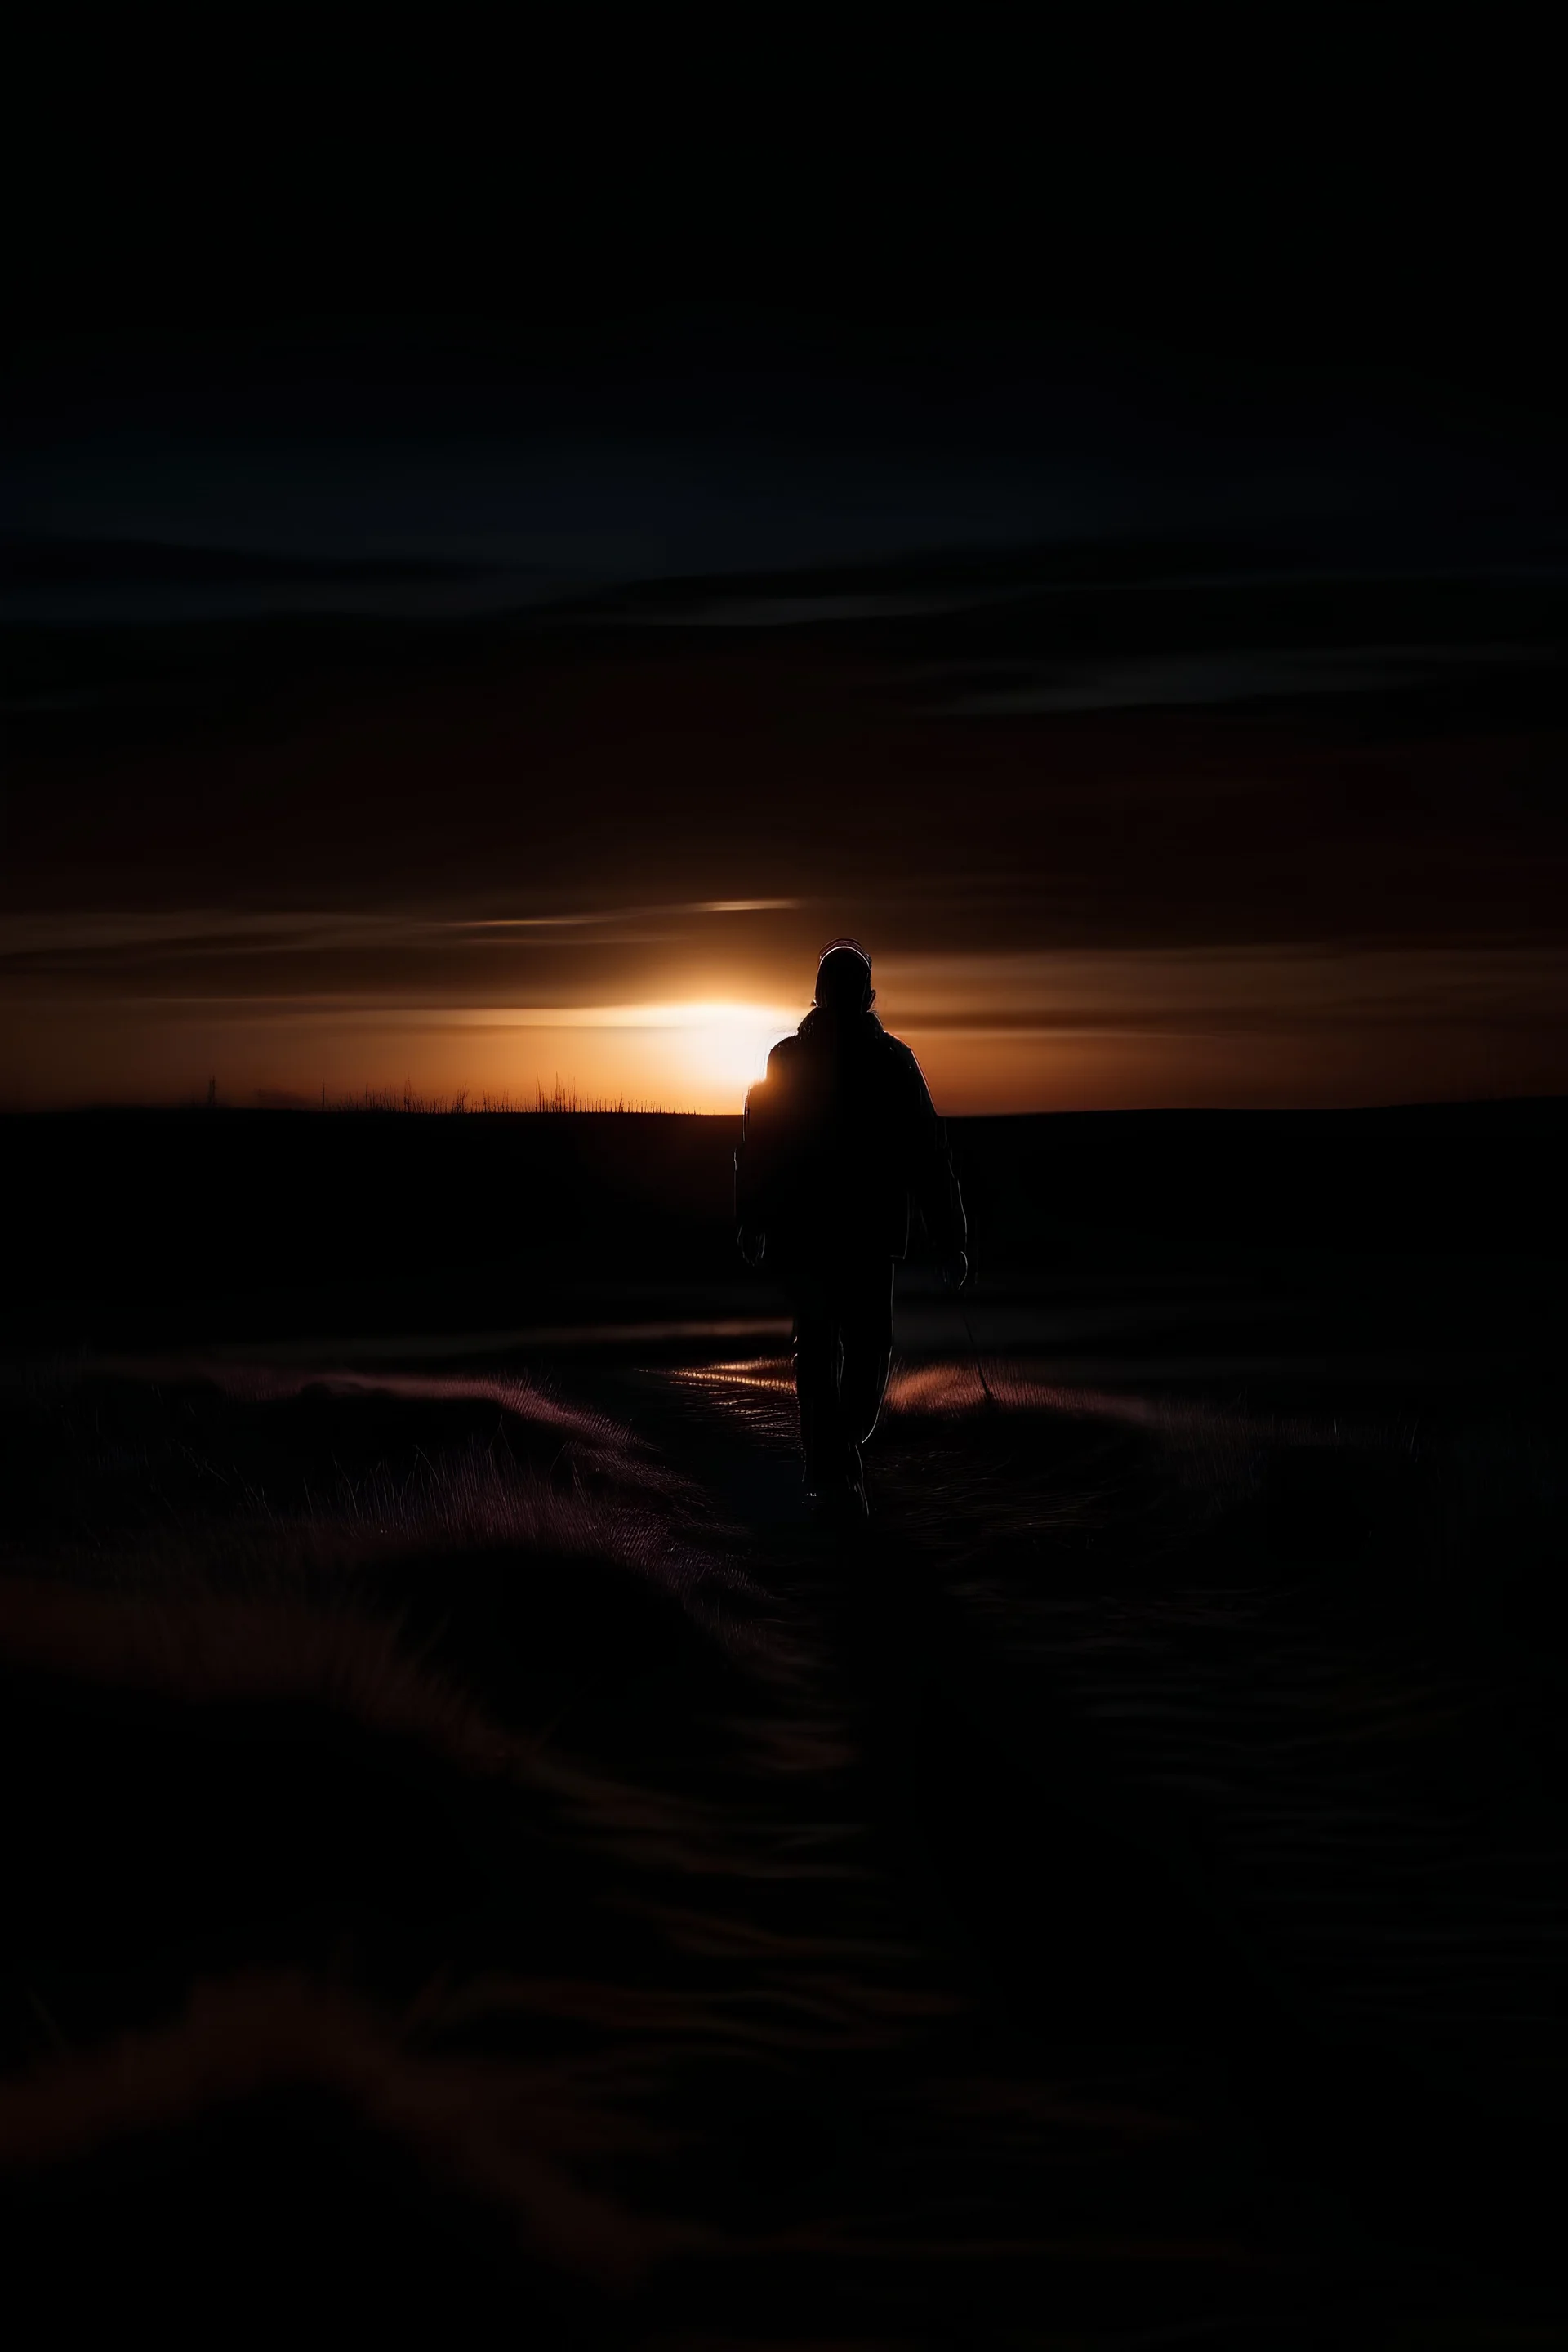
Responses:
[502,555]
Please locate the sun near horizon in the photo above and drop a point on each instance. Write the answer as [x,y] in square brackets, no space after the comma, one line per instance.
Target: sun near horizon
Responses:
[996,1031]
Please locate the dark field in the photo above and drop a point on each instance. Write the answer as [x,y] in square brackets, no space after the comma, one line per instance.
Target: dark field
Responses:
[468,1837]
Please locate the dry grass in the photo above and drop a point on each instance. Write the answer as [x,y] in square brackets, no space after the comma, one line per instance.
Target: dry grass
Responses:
[448,1856]
[558,1100]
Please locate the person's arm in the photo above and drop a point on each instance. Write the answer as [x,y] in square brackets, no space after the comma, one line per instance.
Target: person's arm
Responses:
[756,1167]
[932,1180]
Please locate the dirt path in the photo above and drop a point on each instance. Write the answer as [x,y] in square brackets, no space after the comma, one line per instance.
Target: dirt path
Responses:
[1159,1796]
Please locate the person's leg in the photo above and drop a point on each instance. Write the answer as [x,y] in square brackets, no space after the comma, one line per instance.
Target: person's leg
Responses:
[815,1343]
[866,1311]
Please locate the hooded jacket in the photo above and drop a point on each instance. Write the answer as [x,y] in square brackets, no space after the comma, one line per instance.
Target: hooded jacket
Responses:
[839,1138]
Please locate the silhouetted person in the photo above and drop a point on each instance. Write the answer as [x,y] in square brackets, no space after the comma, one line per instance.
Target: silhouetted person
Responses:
[838,1137]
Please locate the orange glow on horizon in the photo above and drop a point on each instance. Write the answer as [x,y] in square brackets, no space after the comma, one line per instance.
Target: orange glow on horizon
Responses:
[1112,1029]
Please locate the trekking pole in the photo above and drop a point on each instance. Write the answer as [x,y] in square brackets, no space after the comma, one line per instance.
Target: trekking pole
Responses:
[974,1346]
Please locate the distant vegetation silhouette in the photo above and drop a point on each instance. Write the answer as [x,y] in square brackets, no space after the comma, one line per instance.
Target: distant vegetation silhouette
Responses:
[559,1101]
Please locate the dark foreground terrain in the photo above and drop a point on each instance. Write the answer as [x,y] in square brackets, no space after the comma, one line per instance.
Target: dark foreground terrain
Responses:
[470,1845]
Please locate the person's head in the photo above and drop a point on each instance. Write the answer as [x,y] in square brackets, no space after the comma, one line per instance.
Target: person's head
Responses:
[844,980]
